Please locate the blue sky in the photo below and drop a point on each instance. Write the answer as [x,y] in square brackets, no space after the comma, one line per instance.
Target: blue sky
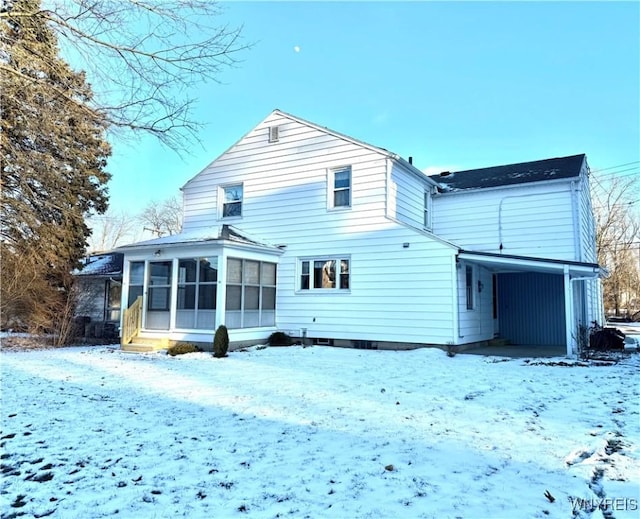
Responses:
[456,85]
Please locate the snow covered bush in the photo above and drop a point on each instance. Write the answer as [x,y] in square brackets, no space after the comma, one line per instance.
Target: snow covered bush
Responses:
[221,342]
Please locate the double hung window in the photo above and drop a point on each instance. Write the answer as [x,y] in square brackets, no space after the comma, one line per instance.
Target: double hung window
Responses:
[232,201]
[340,187]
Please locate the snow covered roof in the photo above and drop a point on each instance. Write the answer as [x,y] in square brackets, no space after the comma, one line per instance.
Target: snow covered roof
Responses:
[214,233]
[511,174]
[102,265]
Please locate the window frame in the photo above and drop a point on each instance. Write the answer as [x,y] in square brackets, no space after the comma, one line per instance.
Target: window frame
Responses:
[310,263]
[427,217]
[332,190]
[224,203]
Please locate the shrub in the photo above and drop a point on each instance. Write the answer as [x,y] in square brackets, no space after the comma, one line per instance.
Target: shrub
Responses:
[182,348]
[221,342]
[280,339]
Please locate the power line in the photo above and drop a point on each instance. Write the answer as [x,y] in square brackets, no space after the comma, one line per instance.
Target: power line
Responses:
[614,167]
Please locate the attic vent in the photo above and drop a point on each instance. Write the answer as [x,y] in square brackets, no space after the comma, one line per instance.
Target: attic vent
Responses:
[445,173]
[273,133]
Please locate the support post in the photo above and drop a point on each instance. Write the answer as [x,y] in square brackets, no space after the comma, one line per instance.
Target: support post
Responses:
[568,311]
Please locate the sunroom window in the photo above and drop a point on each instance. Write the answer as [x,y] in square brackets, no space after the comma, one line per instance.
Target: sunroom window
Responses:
[325,274]
[232,201]
[197,288]
[251,293]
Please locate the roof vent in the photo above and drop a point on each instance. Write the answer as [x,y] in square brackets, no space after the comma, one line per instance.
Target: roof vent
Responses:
[411,160]
[274,133]
[445,173]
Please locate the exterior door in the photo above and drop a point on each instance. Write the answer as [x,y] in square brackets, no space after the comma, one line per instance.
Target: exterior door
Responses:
[159,295]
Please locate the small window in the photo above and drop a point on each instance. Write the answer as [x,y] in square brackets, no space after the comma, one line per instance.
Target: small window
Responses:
[274,133]
[340,184]
[427,210]
[469,287]
[232,201]
[325,274]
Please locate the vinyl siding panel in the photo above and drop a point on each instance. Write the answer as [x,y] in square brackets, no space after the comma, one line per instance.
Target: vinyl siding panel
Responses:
[529,221]
[407,198]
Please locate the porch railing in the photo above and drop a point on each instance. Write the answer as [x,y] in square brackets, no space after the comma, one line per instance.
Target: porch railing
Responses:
[132,321]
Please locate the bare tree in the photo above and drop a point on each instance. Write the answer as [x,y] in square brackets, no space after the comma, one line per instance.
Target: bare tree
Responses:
[112,229]
[142,57]
[162,218]
[618,241]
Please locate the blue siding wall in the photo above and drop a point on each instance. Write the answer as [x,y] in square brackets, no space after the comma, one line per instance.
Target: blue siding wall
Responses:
[531,308]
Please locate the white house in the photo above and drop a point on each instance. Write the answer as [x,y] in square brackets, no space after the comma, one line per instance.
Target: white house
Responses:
[301,229]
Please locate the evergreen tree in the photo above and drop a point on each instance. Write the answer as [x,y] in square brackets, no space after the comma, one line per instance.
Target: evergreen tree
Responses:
[52,147]
[53,144]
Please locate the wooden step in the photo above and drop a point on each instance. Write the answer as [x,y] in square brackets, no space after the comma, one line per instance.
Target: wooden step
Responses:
[145,346]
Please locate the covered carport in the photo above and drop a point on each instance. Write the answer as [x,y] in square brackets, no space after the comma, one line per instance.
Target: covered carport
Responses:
[541,302]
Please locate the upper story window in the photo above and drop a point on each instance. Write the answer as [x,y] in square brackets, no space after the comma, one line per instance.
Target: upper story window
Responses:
[340,187]
[427,210]
[326,273]
[232,201]
[274,133]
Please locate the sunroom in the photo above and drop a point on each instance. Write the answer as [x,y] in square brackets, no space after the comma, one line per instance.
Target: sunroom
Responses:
[181,288]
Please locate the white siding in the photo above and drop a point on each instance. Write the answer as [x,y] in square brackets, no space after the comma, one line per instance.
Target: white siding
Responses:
[531,220]
[475,324]
[406,197]
[397,294]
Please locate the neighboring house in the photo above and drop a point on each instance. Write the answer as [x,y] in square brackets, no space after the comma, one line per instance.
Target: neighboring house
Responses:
[301,229]
[98,289]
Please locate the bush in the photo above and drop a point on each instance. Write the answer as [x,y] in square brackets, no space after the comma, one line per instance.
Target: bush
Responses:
[221,342]
[280,339]
[182,348]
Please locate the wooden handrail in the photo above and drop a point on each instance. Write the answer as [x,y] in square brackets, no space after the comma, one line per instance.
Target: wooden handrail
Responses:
[132,321]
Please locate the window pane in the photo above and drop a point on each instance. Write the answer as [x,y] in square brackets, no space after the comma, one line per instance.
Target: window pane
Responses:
[186,297]
[136,273]
[342,179]
[115,293]
[207,297]
[344,274]
[234,297]
[160,273]
[187,271]
[158,299]
[233,193]
[324,274]
[268,298]
[252,272]
[341,198]
[251,298]
[134,293]
[232,209]
[234,270]
[269,273]
[208,270]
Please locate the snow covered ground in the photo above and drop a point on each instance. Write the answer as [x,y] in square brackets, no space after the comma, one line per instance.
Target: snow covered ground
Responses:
[317,432]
